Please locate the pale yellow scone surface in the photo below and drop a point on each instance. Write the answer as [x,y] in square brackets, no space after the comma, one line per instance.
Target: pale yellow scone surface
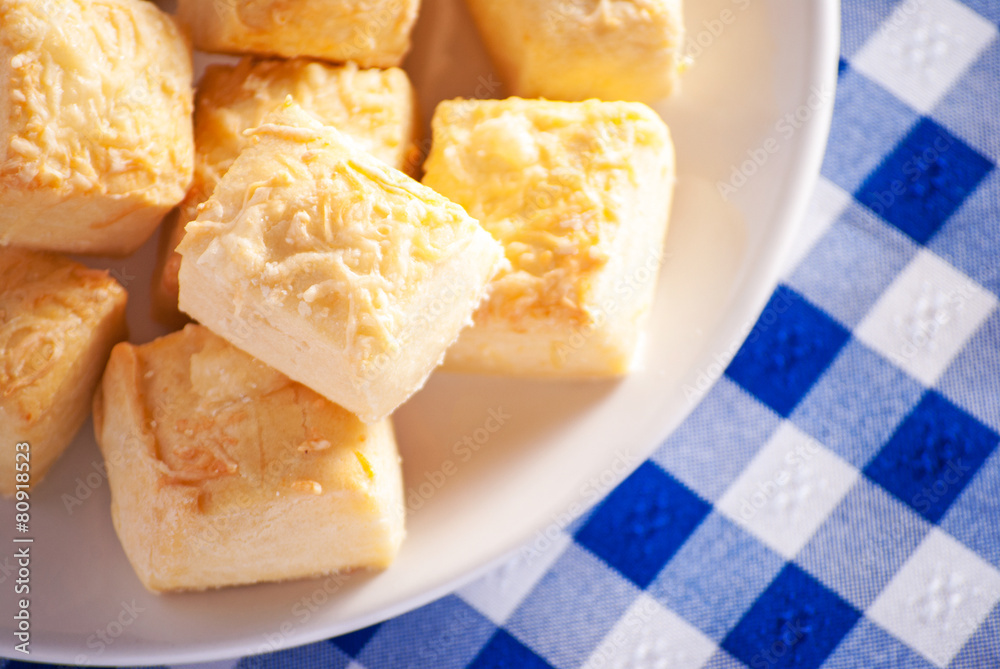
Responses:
[580,49]
[58,322]
[579,194]
[95,123]
[375,107]
[370,33]
[224,472]
[334,268]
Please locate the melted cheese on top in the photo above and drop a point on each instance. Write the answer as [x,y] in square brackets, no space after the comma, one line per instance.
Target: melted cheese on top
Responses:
[322,227]
[98,98]
[546,179]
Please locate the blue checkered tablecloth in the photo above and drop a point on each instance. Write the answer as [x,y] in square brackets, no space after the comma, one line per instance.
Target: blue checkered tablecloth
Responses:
[834,500]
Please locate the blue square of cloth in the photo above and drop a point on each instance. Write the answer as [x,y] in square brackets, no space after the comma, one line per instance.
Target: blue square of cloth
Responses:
[716,576]
[642,523]
[863,543]
[353,642]
[924,180]
[787,350]
[932,456]
[503,651]
[796,623]
[857,404]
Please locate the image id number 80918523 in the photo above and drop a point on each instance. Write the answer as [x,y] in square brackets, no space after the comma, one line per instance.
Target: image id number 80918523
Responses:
[22,546]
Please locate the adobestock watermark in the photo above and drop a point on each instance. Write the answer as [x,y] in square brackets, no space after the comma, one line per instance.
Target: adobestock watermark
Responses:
[748,334]
[417,495]
[932,311]
[87,483]
[487,87]
[299,614]
[954,473]
[463,450]
[590,493]
[795,459]
[459,626]
[627,289]
[791,634]
[105,636]
[558,13]
[637,619]
[910,172]
[784,129]
[379,20]
[702,38]
[900,16]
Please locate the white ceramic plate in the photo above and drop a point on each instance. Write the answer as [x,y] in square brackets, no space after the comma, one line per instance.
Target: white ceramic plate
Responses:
[561,446]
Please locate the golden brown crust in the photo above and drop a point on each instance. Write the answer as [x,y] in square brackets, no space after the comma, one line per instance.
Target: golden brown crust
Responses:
[96,144]
[58,322]
[581,49]
[202,441]
[372,34]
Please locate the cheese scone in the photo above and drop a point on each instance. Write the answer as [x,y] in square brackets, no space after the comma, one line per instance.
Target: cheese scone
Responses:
[95,123]
[581,49]
[223,471]
[332,267]
[58,322]
[579,194]
[372,33]
[375,107]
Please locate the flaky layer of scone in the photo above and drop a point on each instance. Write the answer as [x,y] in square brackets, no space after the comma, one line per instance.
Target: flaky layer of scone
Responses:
[331,266]
[579,195]
[372,34]
[375,107]
[581,49]
[95,123]
[58,322]
[223,471]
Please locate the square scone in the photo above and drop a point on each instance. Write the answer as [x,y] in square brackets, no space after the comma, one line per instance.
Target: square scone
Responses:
[579,194]
[58,322]
[223,471]
[370,33]
[377,108]
[332,267]
[580,49]
[95,123]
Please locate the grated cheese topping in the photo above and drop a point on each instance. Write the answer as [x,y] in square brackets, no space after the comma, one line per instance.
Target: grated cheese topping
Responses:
[90,107]
[320,226]
[545,178]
